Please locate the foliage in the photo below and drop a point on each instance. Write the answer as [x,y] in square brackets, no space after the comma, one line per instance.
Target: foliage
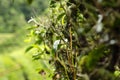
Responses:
[13,18]
[13,15]
[17,65]
[20,66]
[81,39]
[11,41]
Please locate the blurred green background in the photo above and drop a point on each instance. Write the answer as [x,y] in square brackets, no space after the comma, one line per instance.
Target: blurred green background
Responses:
[14,63]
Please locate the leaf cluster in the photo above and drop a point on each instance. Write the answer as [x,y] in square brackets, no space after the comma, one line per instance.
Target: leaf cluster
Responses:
[81,39]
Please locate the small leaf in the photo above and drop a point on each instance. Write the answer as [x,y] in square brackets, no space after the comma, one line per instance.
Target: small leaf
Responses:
[117,73]
[36,56]
[60,16]
[63,20]
[30,28]
[29,48]
[29,1]
[52,3]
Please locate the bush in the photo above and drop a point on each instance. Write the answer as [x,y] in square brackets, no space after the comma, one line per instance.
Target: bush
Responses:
[81,38]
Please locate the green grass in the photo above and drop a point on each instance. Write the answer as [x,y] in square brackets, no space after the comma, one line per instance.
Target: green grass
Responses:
[11,41]
[5,36]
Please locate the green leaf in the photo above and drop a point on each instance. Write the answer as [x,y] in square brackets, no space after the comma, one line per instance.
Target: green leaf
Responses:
[95,55]
[29,1]
[36,56]
[117,73]
[30,28]
[52,4]
[60,16]
[29,48]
